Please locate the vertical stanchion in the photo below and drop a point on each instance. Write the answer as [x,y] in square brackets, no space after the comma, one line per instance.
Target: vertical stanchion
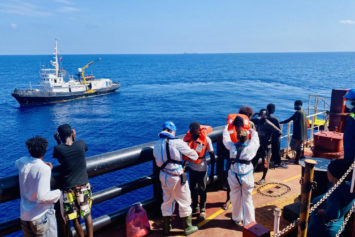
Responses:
[288,137]
[277,216]
[306,191]
[220,162]
[312,127]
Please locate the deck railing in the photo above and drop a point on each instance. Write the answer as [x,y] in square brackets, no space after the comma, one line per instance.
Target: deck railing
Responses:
[106,163]
[121,159]
[313,118]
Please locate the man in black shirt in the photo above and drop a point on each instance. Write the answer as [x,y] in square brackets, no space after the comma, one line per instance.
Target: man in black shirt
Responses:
[275,138]
[299,129]
[265,130]
[74,181]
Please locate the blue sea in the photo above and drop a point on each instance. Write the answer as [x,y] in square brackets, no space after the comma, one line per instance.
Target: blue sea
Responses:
[154,88]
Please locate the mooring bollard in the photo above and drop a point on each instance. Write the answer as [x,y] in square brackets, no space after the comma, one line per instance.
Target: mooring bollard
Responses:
[277,216]
[306,192]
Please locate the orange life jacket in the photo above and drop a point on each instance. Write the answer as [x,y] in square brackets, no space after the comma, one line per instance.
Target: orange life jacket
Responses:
[199,145]
[231,128]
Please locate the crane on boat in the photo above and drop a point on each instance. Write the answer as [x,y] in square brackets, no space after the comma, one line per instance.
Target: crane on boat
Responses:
[82,70]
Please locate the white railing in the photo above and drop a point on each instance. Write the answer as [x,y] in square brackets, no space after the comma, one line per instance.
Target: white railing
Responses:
[312,127]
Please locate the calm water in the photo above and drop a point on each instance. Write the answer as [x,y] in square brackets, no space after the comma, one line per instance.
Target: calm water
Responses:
[154,88]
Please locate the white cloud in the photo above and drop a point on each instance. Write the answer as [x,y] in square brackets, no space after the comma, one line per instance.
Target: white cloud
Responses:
[13,26]
[17,7]
[347,22]
[67,2]
[68,9]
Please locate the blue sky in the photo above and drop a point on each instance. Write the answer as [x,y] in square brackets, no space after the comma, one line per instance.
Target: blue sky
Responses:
[176,26]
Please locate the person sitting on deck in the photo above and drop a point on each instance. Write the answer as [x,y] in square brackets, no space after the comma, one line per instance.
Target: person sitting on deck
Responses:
[299,134]
[37,213]
[168,151]
[74,181]
[240,175]
[327,219]
[197,139]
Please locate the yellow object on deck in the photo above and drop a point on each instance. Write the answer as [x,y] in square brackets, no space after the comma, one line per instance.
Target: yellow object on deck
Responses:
[318,122]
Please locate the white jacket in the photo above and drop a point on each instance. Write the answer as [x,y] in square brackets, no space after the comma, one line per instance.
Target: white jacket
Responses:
[247,154]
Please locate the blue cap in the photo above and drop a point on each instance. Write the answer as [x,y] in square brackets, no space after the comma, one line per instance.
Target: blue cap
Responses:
[169,125]
[350,95]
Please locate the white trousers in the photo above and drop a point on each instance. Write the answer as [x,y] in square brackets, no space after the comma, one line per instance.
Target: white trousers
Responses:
[174,192]
[241,197]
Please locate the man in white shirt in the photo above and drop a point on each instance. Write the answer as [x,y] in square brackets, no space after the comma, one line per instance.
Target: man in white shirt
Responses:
[37,213]
[168,151]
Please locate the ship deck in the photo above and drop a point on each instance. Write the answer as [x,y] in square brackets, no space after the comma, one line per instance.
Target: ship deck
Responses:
[218,221]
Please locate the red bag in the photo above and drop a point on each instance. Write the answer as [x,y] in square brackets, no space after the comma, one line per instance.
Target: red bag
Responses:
[137,224]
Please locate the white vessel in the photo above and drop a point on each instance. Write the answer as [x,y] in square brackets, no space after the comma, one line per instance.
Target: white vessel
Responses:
[53,88]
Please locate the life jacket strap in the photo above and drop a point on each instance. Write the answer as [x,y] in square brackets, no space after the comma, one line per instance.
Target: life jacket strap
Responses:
[169,160]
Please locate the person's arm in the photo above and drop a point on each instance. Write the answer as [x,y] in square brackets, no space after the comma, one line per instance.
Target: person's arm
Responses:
[44,193]
[274,129]
[55,152]
[85,146]
[251,149]
[292,118]
[332,210]
[227,142]
[184,149]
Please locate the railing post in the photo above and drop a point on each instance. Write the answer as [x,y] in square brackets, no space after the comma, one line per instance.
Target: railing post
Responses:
[312,127]
[306,191]
[220,162]
[288,137]
[277,216]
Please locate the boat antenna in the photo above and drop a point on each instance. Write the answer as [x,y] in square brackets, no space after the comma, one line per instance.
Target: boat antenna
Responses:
[55,62]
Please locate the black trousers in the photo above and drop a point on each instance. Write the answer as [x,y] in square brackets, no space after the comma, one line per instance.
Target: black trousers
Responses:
[263,153]
[275,150]
[198,183]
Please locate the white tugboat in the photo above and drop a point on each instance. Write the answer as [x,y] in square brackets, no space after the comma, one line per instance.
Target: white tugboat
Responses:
[53,88]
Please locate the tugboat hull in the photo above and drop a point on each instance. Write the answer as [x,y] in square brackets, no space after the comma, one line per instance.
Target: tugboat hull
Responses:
[35,97]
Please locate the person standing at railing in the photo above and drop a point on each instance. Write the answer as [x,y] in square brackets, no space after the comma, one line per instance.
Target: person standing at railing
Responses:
[327,219]
[240,175]
[168,152]
[299,134]
[74,180]
[349,133]
[37,213]
[248,111]
[197,139]
[265,130]
[275,138]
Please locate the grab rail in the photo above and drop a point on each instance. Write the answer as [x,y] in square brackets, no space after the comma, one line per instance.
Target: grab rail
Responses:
[106,163]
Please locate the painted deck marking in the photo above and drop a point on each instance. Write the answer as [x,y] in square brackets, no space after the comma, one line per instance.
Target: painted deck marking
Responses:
[220,211]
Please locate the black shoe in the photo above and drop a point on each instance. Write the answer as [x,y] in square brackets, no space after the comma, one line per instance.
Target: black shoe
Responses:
[195,210]
[226,205]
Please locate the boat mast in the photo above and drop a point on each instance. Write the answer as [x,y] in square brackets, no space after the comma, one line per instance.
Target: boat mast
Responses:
[55,62]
